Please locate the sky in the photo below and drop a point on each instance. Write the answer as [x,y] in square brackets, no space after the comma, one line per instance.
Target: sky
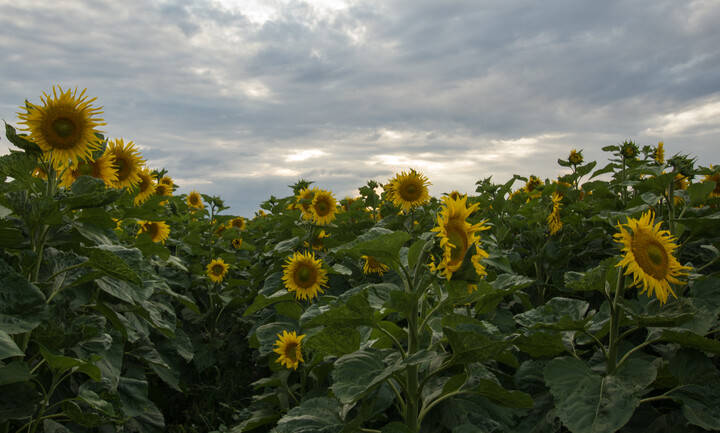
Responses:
[241,98]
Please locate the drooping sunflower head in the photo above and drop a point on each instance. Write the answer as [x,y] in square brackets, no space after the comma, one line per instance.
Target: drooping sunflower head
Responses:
[713,177]
[373,266]
[575,157]
[304,275]
[532,183]
[194,200]
[157,230]
[318,243]
[303,200]
[290,350]
[553,219]
[163,190]
[659,153]
[146,186]
[323,207]
[647,255]
[408,190]
[64,125]
[101,168]
[457,235]
[629,150]
[237,243]
[167,180]
[238,223]
[216,270]
[127,162]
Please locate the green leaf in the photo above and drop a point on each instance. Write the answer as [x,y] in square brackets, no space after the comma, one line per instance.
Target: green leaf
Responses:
[107,260]
[18,400]
[358,373]
[8,348]
[15,372]
[587,402]
[262,301]
[334,341]
[50,426]
[699,387]
[61,364]
[89,192]
[144,243]
[499,395]
[378,242]
[540,344]
[560,314]
[469,346]
[20,141]
[22,305]
[355,311]
[700,191]
[691,340]
[320,414]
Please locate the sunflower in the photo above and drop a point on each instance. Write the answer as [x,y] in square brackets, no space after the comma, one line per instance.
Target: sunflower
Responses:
[238,223]
[455,195]
[157,230]
[323,207]
[347,202]
[127,162]
[289,349]
[576,157]
[102,168]
[146,187]
[304,275]
[318,243]
[167,180]
[629,150]
[408,190]
[372,266]
[194,200]
[714,177]
[163,190]
[659,153]
[63,125]
[532,183]
[553,220]
[216,270]
[303,201]
[457,236]
[648,256]
[237,243]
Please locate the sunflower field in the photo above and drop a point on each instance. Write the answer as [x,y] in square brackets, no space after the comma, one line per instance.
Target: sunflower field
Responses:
[586,303]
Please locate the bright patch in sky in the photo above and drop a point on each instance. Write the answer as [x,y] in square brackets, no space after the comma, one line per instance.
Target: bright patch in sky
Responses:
[302,155]
[261,11]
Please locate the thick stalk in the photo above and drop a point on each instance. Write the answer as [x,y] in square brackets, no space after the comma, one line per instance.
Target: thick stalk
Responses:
[412,408]
[615,311]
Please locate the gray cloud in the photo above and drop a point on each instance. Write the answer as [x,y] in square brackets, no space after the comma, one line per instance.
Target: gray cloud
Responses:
[241,107]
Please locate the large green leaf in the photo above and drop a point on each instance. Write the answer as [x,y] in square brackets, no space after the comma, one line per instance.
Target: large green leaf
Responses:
[560,314]
[378,242]
[358,373]
[18,400]
[469,346]
[540,343]
[107,260]
[89,192]
[699,389]
[494,392]
[334,341]
[355,311]
[8,348]
[691,340]
[15,372]
[319,414]
[22,305]
[590,403]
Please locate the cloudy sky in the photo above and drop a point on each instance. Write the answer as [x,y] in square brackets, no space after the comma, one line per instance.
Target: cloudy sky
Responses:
[240,98]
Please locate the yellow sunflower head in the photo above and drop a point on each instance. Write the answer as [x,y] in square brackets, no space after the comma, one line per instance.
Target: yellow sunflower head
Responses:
[318,243]
[238,223]
[372,266]
[553,220]
[323,207]
[167,180]
[289,349]
[127,162]
[102,168]
[408,190]
[63,127]
[194,200]
[455,195]
[303,201]
[157,230]
[457,236]
[163,190]
[659,153]
[576,157]
[532,183]
[146,186]
[237,243]
[304,275]
[647,255]
[216,270]
[713,177]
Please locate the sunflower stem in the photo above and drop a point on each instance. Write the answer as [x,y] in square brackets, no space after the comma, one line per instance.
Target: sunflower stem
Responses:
[615,310]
